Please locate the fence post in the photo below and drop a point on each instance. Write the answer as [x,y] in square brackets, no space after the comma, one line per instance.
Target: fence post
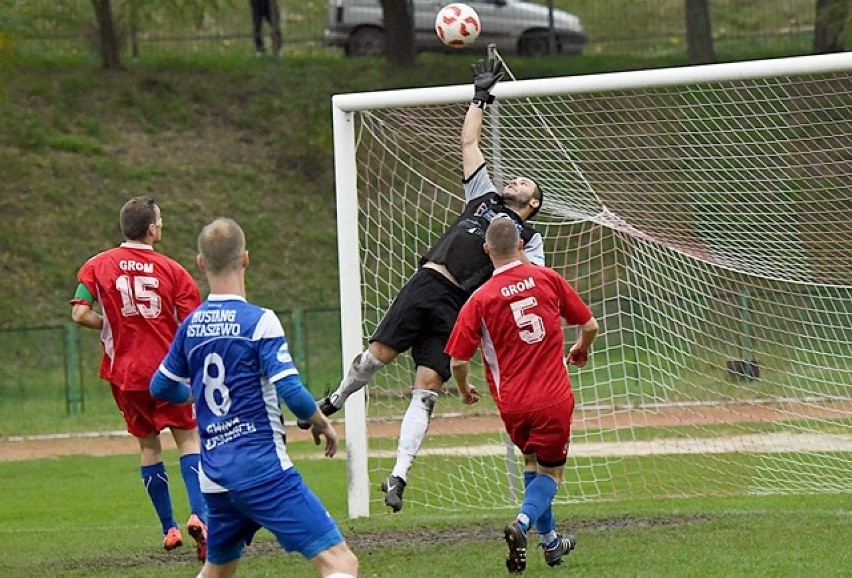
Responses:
[297,343]
[73,393]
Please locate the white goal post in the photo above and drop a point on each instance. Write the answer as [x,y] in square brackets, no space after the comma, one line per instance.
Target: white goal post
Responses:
[704,213]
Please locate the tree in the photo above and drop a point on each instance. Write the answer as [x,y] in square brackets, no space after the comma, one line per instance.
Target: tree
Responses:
[111,27]
[399,32]
[699,36]
[829,24]
[107,37]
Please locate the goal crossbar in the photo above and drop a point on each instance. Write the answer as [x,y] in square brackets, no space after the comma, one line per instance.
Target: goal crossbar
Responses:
[791,66]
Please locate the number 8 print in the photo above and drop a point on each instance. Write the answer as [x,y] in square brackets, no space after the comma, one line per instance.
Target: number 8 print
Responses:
[212,385]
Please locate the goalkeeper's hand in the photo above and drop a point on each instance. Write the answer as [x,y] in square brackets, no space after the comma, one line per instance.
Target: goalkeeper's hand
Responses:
[486,73]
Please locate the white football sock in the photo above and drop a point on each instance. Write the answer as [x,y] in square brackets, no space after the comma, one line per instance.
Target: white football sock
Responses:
[361,371]
[546,539]
[413,430]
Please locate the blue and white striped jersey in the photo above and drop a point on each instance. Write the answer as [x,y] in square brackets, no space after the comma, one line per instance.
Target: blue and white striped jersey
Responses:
[232,352]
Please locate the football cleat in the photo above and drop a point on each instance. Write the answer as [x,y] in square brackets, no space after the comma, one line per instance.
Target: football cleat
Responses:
[198,531]
[393,487]
[563,545]
[516,540]
[172,539]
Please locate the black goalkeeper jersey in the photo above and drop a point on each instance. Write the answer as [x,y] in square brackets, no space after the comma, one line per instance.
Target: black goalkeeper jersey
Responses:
[460,250]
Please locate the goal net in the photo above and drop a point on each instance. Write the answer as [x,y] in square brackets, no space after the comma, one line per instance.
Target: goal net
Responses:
[704,213]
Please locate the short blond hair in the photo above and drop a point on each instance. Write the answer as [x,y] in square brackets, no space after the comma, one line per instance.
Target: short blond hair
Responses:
[502,236]
[222,244]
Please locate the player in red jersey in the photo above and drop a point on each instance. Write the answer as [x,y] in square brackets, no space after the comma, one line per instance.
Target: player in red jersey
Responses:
[515,317]
[143,296]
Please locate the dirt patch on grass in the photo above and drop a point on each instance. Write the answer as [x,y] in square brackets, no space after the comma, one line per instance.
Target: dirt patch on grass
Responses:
[364,542]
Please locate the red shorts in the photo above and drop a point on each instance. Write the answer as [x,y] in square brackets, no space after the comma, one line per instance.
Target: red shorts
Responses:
[544,432]
[145,415]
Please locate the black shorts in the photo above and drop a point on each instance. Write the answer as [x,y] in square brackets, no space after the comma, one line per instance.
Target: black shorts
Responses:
[421,318]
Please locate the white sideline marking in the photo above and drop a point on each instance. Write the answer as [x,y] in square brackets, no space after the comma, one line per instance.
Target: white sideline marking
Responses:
[754,443]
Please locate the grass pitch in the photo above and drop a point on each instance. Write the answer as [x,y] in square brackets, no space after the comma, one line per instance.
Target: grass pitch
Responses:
[89,516]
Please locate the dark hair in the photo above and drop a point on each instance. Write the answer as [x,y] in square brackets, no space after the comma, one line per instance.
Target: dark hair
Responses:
[538,193]
[136,216]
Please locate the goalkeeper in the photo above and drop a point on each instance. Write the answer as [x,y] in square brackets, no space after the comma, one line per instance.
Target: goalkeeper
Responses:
[423,313]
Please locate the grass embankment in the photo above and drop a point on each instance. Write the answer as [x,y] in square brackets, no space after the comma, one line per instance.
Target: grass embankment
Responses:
[208,136]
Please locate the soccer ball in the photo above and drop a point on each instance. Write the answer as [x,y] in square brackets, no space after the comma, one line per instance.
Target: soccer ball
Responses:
[457,25]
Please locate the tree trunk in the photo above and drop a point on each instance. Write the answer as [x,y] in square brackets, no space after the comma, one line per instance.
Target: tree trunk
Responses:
[107,35]
[699,38]
[829,24]
[399,32]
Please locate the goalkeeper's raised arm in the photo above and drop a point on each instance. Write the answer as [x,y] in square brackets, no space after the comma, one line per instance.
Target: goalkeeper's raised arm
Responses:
[486,74]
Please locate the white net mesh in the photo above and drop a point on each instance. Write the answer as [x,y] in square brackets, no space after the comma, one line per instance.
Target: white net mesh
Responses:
[708,226]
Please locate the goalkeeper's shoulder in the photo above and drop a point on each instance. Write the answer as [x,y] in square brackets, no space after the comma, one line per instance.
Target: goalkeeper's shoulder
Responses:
[534,248]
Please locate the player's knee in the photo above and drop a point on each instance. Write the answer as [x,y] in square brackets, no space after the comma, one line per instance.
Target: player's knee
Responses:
[428,379]
[383,352]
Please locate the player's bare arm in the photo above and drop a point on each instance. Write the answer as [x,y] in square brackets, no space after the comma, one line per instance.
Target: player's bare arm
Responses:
[472,157]
[486,73]
[579,352]
[461,371]
[83,314]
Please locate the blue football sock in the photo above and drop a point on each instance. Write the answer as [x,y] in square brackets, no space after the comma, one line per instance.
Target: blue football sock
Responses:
[189,471]
[156,482]
[538,497]
[546,523]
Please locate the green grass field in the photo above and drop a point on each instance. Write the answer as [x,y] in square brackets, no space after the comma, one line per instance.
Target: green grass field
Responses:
[88,516]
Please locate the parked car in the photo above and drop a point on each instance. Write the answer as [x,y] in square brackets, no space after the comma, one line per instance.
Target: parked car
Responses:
[514,26]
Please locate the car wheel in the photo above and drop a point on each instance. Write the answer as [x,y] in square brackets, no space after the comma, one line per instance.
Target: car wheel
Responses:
[366,42]
[535,44]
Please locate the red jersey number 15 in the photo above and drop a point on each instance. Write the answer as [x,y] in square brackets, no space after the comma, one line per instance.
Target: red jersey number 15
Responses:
[139,296]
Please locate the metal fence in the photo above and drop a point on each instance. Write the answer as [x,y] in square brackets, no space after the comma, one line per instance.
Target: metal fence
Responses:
[49,374]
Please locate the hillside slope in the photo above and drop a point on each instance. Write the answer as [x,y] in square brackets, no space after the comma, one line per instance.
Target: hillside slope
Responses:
[252,143]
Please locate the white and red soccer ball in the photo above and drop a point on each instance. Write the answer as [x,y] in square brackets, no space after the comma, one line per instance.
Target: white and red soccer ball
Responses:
[457,25]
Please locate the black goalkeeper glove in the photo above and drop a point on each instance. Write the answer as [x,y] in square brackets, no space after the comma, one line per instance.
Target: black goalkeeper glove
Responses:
[486,73]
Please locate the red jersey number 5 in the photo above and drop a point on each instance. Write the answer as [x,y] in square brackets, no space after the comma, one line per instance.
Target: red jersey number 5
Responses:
[531,325]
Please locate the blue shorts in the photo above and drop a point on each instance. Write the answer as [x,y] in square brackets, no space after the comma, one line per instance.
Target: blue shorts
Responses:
[285,506]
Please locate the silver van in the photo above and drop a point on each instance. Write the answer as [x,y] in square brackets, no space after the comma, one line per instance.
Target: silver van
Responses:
[514,26]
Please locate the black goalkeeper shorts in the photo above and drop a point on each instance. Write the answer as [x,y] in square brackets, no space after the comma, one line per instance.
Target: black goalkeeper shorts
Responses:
[421,318]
